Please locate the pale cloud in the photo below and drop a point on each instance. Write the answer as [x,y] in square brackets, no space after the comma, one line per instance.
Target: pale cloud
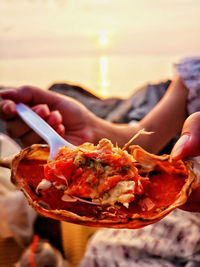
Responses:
[131,25]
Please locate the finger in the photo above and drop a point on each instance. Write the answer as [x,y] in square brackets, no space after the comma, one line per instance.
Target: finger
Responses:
[7,109]
[60,129]
[55,118]
[16,128]
[189,143]
[42,110]
[32,138]
[30,95]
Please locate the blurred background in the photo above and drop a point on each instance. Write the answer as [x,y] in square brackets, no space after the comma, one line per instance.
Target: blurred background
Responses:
[111,47]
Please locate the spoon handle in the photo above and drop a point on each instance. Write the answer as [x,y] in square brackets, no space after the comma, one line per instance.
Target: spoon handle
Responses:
[43,129]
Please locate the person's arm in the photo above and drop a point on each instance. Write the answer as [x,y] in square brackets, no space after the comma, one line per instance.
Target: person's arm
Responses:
[165,120]
[81,125]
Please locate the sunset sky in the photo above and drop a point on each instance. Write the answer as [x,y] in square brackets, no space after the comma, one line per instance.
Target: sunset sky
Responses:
[170,26]
[56,28]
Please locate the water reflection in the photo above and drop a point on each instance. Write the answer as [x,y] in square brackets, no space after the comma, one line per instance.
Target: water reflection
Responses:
[104,45]
[103,76]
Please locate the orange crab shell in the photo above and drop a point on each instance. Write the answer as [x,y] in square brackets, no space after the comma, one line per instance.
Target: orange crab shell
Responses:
[171,183]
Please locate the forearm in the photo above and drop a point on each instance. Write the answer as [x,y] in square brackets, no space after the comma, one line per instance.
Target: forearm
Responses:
[165,120]
[167,117]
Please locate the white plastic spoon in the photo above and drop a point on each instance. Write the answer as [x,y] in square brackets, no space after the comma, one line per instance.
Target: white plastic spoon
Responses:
[53,139]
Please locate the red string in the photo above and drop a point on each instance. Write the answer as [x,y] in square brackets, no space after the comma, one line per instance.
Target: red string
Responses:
[33,249]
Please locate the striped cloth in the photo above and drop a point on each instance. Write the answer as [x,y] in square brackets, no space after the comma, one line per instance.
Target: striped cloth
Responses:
[189,70]
[171,242]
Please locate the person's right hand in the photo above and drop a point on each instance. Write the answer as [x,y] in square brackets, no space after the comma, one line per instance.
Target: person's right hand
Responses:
[66,115]
[189,146]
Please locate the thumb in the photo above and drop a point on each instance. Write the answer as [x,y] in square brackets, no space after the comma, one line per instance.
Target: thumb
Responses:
[189,143]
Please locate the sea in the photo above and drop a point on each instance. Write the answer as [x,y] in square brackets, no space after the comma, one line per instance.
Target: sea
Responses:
[110,47]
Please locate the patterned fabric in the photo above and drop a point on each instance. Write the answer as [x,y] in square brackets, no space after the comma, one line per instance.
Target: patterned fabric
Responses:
[172,242]
[189,70]
[162,236]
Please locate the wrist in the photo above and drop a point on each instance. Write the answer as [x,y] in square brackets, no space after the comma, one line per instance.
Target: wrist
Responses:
[118,134]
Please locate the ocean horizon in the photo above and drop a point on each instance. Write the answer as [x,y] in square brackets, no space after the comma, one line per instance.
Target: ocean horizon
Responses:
[111,47]
[104,75]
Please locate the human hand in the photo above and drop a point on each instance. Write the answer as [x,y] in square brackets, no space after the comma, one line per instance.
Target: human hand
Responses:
[67,116]
[189,146]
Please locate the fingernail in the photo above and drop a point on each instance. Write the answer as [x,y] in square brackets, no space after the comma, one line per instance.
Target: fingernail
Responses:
[42,110]
[178,148]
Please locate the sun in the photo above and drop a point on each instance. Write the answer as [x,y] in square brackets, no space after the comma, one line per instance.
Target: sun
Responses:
[103,40]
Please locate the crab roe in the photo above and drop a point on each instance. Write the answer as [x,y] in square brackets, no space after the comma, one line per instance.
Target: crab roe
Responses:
[104,174]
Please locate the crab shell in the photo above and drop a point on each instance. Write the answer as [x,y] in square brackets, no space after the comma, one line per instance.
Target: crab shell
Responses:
[171,183]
